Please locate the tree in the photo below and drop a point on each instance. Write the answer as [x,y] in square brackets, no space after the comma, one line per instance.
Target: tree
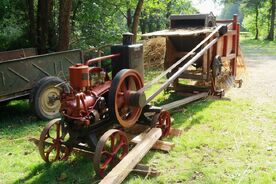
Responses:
[31,19]
[64,24]
[272,21]
[136,19]
[43,19]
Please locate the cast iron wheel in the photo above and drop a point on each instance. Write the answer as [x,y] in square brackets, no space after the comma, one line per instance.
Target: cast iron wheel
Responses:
[110,150]
[121,111]
[45,98]
[163,120]
[50,145]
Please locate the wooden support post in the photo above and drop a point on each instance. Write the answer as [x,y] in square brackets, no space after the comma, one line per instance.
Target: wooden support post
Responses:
[145,170]
[234,45]
[125,166]
[175,132]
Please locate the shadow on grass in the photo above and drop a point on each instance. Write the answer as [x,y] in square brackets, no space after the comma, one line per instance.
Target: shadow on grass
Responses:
[184,112]
[18,110]
[16,118]
[79,170]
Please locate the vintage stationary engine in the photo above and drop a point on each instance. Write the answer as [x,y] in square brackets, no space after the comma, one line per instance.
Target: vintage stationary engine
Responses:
[95,110]
[85,102]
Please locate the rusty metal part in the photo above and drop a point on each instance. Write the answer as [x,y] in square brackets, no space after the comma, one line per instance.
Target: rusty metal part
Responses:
[197,20]
[111,148]
[124,89]
[79,76]
[99,59]
[163,120]
[52,152]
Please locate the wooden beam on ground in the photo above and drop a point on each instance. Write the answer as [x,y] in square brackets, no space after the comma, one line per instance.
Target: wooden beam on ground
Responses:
[184,101]
[126,165]
[145,170]
[175,132]
[159,145]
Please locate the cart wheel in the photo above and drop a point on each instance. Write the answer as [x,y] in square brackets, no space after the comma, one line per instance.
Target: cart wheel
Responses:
[50,143]
[110,150]
[121,107]
[45,98]
[163,120]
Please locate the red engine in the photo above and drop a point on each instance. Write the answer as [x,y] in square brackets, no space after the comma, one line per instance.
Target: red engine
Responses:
[86,100]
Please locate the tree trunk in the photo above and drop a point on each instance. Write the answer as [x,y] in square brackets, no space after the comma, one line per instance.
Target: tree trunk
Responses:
[42,25]
[143,22]
[256,22]
[136,19]
[64,24]
[168,14]
[51,31]
[272,21]
[129,19]
[31,19]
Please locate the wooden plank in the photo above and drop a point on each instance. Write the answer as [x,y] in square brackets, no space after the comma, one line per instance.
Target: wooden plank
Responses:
[145,170]
[184,101]
[125,166]
[187,75]
[178,32]
[175,132]
[159,145]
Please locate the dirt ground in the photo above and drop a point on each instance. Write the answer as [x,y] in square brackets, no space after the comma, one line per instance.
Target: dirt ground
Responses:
[259,80]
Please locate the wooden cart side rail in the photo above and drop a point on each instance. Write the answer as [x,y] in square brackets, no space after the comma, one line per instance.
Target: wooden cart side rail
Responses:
[41,56]
[16,54]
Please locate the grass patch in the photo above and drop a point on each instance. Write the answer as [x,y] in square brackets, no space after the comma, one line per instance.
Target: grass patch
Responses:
[258,47]
[224,142]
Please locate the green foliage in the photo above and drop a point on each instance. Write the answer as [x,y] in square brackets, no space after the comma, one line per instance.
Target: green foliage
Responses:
[229,10]
[94,23]
[13,25]
[247,10]
[263,21]
[156,13]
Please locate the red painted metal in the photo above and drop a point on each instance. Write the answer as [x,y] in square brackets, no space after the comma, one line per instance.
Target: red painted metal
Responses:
[79,76]
[111,148]
[99,59]
[164,122]
[87,86]
[234,45]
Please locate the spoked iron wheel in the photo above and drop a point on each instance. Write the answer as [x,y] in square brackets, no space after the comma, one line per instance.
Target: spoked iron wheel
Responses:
[163,120]
[50,143]
[111,148]
[125,83]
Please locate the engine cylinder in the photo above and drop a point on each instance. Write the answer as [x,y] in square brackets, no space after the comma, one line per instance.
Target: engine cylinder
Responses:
[79,76]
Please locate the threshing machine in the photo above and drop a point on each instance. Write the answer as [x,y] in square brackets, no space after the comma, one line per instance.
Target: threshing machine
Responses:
[96,108]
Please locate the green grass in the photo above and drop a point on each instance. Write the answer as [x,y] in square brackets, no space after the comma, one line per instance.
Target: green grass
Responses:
[258,47]
[224,141]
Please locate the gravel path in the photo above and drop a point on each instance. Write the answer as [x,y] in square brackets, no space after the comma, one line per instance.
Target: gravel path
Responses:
[259,80]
